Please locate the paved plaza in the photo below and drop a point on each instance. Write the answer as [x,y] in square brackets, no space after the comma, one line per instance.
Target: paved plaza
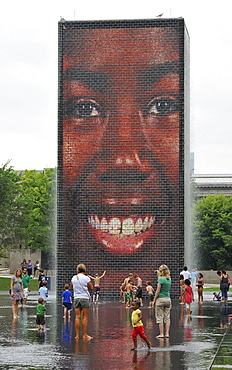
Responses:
[202,342]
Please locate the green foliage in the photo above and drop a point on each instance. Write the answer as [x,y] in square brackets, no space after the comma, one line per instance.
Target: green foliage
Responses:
[213,232]
[38,199]
[10,208]
[27,209]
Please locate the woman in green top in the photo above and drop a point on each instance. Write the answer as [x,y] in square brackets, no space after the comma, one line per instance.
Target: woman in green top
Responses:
[162,301]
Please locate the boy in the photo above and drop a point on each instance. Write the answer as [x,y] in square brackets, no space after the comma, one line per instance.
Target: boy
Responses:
[67,301]
[138,329]
[150,294]
[217,296]
[129,291]
[43,291]
[97,288]
[40,314]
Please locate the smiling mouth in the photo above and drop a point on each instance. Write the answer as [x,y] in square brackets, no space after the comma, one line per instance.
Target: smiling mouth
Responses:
[122,219]
[123,235]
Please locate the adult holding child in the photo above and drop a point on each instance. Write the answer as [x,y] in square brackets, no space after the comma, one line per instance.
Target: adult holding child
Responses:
[81,285]
[16,287]
[162,301]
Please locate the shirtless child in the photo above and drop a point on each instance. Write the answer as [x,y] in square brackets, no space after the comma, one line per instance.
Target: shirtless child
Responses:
[129,291]
[96,280]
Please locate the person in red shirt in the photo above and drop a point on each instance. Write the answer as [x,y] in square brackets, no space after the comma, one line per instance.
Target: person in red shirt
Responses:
[189,296]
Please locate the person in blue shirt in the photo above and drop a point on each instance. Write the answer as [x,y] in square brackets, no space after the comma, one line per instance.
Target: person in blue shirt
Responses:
[67,301]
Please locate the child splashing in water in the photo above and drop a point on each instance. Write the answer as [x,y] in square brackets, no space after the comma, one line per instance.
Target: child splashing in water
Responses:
[138,329]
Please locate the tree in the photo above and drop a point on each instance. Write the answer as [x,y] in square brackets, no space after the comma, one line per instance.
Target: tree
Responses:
[10,209]
[38,201]
[213,232]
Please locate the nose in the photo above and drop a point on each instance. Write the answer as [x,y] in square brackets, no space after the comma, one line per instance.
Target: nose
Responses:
[123,143]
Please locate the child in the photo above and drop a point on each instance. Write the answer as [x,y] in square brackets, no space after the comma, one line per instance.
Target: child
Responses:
[138,329]
[150,293]
[129,291]
[40,314]
[97,288]
[217,296]
[189,297]
[67,301]
[43,291]
[182,289]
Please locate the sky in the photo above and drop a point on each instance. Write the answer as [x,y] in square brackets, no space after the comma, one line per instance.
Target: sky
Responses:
[29,75]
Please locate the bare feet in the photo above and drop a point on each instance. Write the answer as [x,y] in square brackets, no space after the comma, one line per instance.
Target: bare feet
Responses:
[76,337]
[87,337]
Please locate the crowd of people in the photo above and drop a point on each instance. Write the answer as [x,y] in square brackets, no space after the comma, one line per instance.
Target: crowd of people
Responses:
[20,285]
[80,291]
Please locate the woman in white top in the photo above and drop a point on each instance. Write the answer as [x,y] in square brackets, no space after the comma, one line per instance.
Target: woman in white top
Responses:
[81,285]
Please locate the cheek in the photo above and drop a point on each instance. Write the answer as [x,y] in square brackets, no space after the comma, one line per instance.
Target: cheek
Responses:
[163,140]
[78,149]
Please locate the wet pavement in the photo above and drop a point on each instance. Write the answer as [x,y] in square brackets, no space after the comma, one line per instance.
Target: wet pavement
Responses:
[202,342]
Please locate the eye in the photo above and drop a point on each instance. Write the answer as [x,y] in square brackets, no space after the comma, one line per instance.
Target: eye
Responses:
[84,109]
[162,106]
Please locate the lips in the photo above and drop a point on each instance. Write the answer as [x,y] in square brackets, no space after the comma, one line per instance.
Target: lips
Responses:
[122,235]
[122,219]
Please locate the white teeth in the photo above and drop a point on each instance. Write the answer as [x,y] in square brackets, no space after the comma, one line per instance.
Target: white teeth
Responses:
[92,221]
[104,225]
[145,224]
[151,221]
[97,223]
[139,225]
[115,226]
[128,226]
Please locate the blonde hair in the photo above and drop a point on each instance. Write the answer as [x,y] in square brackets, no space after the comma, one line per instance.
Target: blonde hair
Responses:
[164,271]
[81,268]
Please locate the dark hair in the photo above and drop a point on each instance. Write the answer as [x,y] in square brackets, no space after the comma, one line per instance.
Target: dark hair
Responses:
[185,268]
[218,272]
[224,272]
[181,277]
[137,303]
[201,275]
[187,282]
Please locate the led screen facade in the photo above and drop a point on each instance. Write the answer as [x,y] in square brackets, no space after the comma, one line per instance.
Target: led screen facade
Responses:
[123,126]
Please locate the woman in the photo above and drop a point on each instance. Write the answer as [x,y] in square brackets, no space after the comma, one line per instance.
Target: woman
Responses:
[162,301]
[36,269]
[224,284]
[200,283]
[16,287]
[81,285]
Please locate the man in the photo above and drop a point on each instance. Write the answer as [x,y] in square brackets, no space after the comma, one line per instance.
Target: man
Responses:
[26,285]
[186,273]
[120,141]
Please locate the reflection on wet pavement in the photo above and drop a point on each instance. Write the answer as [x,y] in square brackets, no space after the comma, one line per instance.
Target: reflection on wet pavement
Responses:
[192,345]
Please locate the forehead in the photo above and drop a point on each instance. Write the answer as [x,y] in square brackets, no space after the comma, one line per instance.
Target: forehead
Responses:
[93,48]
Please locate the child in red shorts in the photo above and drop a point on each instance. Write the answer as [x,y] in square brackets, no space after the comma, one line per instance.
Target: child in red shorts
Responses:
[138,329]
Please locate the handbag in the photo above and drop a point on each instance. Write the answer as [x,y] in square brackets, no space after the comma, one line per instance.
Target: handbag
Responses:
[86,291]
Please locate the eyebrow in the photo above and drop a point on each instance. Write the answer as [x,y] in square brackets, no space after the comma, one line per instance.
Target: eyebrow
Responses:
[98,81]
[94,80]
[155,72]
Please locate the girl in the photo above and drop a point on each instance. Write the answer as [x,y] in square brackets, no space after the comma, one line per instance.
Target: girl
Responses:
[199,285]
[16,287]
[189,297]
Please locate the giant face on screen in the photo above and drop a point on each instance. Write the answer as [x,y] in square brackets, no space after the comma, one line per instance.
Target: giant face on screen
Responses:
[121,102]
